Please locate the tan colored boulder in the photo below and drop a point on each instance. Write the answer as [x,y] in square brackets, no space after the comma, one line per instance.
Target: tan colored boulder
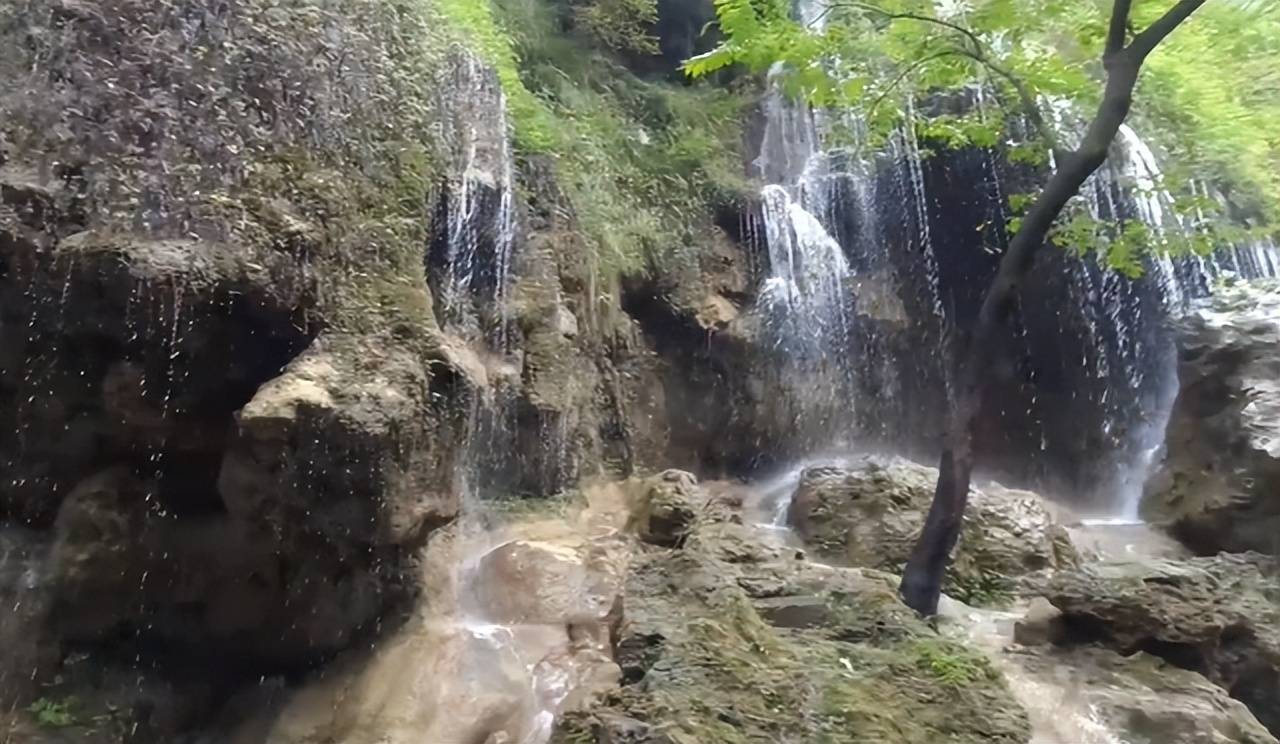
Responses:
[365,406]
[870,515]
[1042,624]
[663,507]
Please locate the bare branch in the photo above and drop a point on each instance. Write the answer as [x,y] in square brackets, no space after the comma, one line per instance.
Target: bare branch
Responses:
[1116,34]
[1146,41]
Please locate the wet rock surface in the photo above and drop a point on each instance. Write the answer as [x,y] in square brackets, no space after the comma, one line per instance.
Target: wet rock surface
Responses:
[1217,486]
[518,628]
[664,508]
[1217,616]
[871,513]
[1095,696]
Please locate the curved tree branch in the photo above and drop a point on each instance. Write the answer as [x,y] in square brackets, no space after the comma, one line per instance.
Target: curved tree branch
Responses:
[977,53]
[893,84]
[1145,42]
[970,35]
[922,580]
[1118,27]
[1030,108]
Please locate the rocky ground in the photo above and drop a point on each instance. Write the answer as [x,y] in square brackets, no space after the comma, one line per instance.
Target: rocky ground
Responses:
[730,635]
[657,611]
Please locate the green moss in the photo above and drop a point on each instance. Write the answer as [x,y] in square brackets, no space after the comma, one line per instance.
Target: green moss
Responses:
[980,588]
[951,663]
[363,234]
[55,713]
[644,164]
[872,673]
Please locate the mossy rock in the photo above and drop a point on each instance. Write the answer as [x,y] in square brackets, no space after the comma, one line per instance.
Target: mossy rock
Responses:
[707,656]
[871,513]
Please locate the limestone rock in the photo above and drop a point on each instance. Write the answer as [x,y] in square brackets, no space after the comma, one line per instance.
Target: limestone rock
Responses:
[363,405]
[663,508]
[1102,697]
[870,515]
[530,581]
[529,637]
[719,644]
[144,346]
[1041,624]
[716,312]
[1217,616]
[1218,486]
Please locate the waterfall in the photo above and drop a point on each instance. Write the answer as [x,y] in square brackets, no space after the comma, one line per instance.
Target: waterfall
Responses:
[806,295]
[469,267]
[1138,313]
[871,265]
[474,227]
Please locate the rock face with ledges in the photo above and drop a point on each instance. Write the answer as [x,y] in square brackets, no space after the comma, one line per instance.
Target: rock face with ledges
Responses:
[1218,487]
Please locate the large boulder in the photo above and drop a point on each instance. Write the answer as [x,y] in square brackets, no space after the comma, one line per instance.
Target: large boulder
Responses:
[870,514]
[1218,486]
[352,401]
[1217,616]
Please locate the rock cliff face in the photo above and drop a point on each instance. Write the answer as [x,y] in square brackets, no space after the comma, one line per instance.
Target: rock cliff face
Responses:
[253,334]
[1218,486]
[282,296]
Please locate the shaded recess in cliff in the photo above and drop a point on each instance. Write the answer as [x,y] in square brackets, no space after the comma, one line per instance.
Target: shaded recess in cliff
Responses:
[233,414]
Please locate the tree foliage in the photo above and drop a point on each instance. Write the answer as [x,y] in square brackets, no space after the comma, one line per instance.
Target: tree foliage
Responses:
[625,25]
[1032,65]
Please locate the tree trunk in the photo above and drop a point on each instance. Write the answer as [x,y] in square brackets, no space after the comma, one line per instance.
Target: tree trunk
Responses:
[922,579]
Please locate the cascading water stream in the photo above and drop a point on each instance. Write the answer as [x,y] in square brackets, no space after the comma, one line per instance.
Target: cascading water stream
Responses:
[806,294]
[1131,185]
[470,263]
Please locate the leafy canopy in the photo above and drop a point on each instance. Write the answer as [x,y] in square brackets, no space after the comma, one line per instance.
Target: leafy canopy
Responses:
[1210,95]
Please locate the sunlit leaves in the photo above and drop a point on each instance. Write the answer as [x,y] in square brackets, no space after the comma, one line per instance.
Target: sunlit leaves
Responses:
[918,62]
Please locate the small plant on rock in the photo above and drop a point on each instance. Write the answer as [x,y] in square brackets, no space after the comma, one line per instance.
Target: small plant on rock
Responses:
[952,665]
[55,713]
